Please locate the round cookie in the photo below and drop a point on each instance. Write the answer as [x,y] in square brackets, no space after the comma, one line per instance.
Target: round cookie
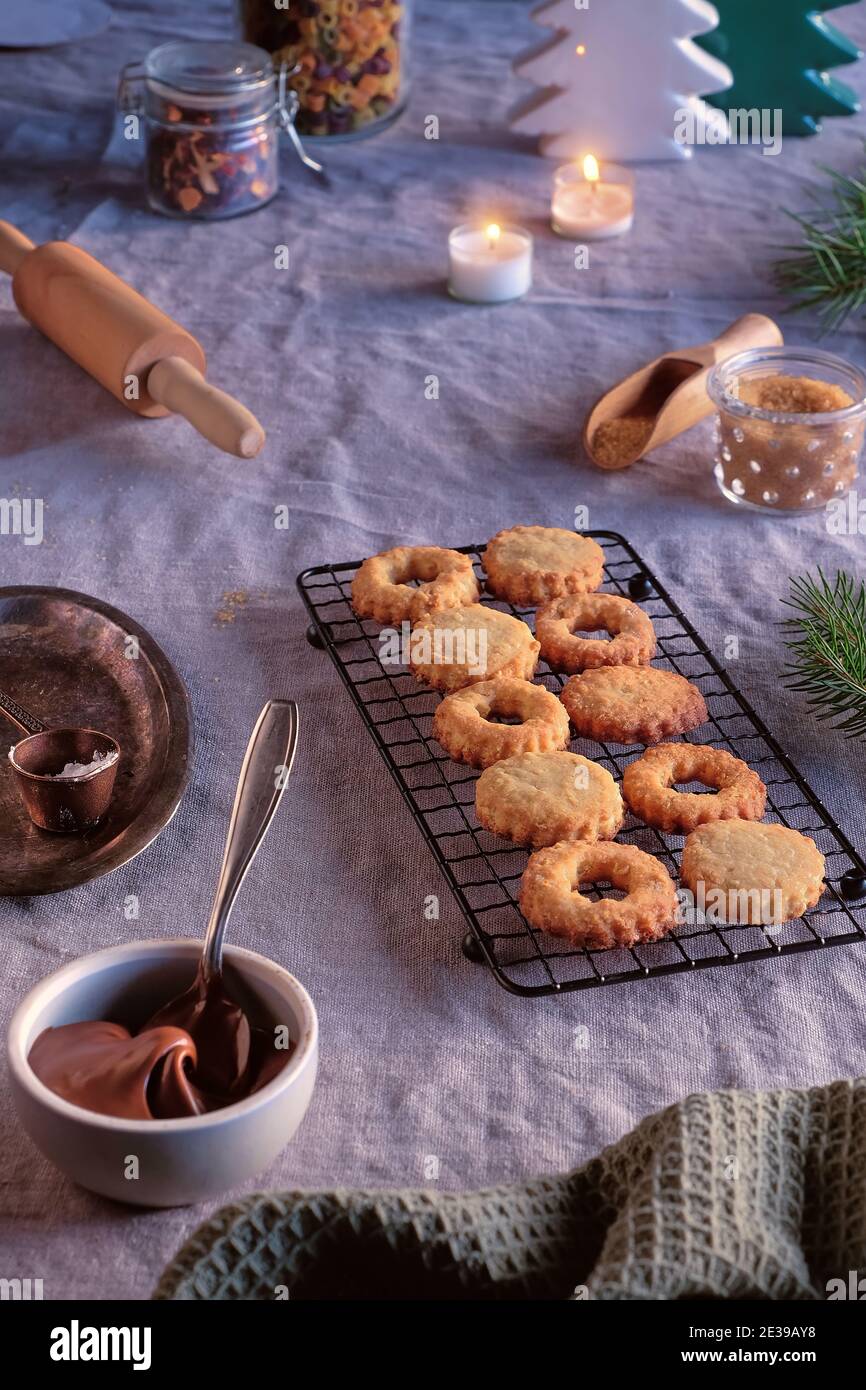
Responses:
[381,588]
[648,785]
[462,722]
[539,799]
[531,564]
[632,704]
[550,896]
[454,647]
[749,872]
[633,638]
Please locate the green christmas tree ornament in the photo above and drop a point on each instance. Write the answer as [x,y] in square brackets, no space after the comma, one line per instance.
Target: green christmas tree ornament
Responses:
[779,52]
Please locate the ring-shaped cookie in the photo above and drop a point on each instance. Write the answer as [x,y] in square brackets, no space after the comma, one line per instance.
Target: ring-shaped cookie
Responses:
[648,786]
[550,896]
[462,722]
[530,564]
[632,635]
[538,799]
[381,589]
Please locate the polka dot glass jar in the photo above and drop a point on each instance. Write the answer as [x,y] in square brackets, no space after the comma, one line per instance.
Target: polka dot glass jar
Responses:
[791,427]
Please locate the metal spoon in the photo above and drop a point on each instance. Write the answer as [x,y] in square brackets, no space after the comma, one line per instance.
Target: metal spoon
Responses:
[263,777]
[64,805]
[213,1016]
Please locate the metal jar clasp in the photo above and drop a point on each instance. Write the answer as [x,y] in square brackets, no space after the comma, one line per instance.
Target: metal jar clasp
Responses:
[288,105]
[130,97]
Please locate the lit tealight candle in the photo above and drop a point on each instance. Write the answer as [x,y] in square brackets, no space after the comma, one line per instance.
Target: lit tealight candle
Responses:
[489,264]
[592,203]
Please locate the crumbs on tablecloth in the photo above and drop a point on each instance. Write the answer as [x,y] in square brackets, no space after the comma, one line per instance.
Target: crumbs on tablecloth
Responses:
[232,600]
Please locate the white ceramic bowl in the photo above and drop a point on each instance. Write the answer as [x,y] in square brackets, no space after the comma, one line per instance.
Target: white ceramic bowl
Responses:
[179,1161]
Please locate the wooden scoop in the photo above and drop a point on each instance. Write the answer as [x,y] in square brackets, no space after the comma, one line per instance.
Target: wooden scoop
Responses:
[145,359]
[669,395]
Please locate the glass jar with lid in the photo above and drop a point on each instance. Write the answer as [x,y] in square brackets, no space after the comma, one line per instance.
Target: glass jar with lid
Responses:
[212,115]
[348,60]
[791,427]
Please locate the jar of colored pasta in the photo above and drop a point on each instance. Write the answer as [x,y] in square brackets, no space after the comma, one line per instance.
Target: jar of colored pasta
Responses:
[347,59]
[211,117]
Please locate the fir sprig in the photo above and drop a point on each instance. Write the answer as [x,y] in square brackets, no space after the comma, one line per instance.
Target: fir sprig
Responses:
[827,640]
[827,271]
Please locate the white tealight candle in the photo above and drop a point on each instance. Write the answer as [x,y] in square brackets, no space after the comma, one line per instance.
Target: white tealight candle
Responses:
[592,203]
[489,265]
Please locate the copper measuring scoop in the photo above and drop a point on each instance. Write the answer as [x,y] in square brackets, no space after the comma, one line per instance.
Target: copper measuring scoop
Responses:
[64,805]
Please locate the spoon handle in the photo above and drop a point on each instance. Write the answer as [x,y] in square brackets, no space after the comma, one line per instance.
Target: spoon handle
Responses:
[264,774]
[19,715]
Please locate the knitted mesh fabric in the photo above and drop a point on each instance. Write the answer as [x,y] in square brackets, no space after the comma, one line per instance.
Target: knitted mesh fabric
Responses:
[733,1194]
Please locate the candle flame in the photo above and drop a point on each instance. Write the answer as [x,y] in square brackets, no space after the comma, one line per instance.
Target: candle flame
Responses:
[494,232]
[591,170]
[580,50]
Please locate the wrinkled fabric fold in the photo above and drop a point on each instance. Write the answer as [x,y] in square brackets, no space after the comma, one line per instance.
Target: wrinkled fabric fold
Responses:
[732,1194]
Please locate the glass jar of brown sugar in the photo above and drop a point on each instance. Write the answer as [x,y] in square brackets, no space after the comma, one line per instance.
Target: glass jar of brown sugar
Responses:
[790,429]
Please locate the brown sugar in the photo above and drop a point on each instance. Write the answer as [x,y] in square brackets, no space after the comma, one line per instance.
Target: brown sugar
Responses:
[793,395]
[618,442]
[781,463]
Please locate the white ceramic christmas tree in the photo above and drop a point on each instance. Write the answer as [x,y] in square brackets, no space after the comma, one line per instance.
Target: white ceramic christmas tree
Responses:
[617,76]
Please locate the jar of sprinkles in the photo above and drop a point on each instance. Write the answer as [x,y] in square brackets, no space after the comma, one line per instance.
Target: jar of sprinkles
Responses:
[790,428]
[211,119]
[347,59]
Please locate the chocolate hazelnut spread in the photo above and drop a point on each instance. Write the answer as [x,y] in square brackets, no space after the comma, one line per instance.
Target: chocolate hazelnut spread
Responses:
[198,1053]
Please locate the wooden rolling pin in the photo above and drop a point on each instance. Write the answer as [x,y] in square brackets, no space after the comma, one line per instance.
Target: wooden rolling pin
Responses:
[145,359]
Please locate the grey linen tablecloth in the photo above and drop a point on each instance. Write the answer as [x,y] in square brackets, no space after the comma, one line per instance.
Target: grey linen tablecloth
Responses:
[423,1055]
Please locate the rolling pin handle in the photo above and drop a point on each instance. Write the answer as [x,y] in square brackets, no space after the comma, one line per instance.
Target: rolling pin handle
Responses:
[14,246]
[182,389]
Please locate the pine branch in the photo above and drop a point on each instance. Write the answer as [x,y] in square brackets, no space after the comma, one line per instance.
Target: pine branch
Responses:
[827,270]
[827,642]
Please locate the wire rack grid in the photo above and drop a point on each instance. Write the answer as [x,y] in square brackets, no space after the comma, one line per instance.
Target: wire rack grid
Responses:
[484,872]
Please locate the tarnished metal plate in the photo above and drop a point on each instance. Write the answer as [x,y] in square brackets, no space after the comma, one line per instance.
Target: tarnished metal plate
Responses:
[72,660]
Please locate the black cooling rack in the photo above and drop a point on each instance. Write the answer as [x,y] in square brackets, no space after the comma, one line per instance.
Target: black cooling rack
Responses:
[484,871]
